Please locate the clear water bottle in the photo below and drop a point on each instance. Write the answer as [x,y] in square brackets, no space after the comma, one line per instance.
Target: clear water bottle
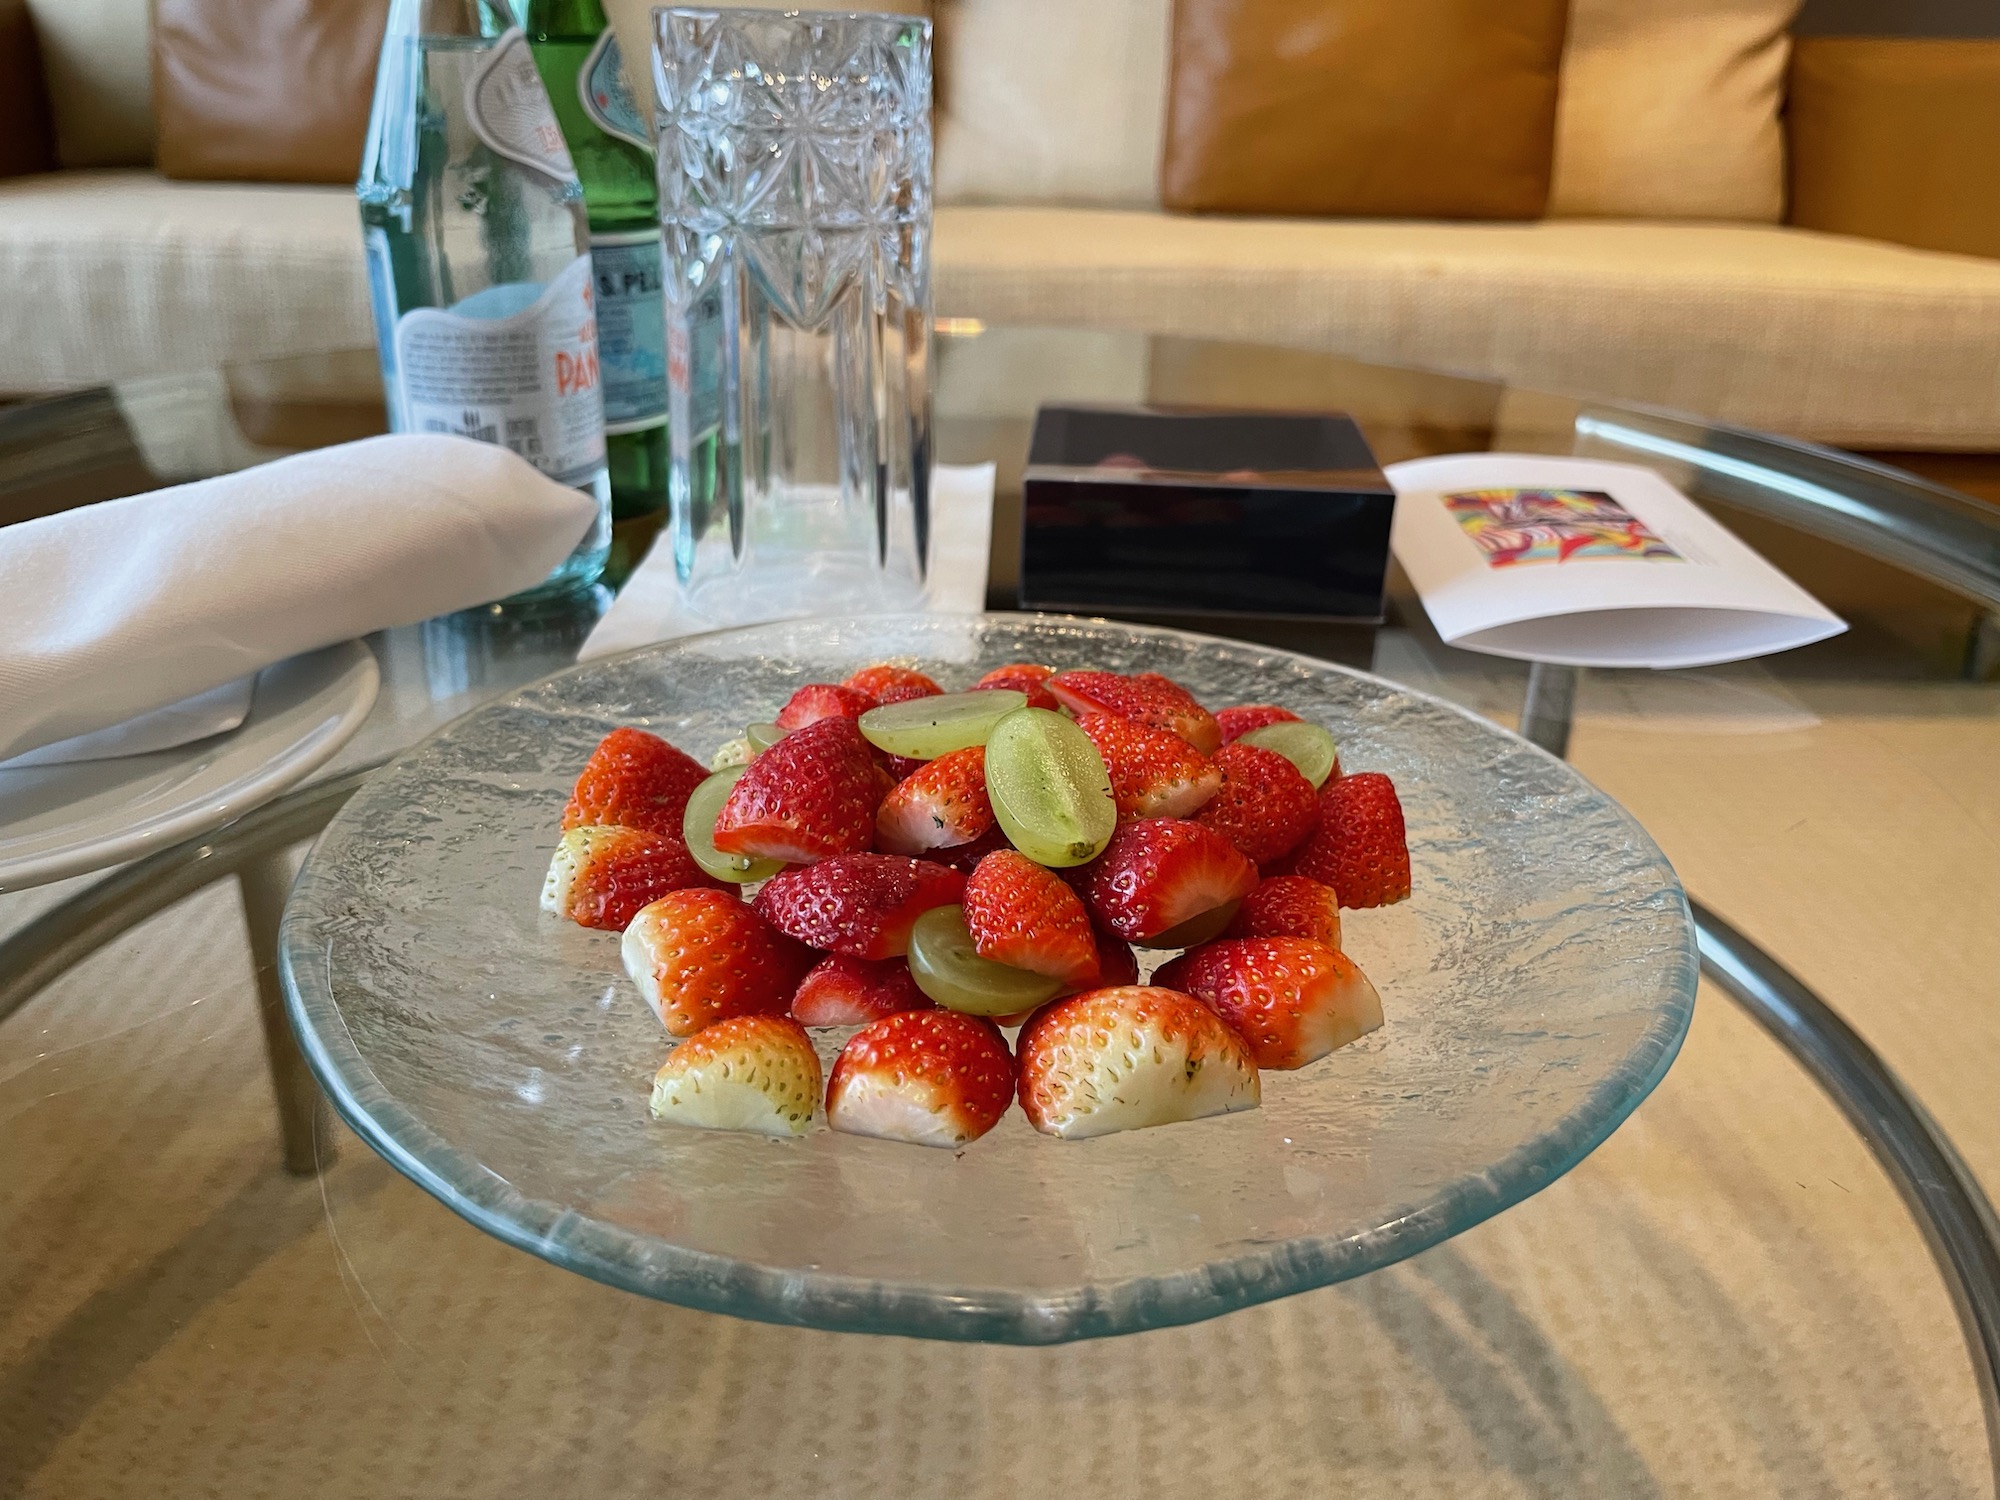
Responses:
[479,254]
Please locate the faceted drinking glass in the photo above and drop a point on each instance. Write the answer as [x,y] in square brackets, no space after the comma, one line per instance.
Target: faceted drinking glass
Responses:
[795,207]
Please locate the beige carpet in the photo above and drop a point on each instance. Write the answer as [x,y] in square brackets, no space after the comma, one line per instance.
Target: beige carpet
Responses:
[1726,1300]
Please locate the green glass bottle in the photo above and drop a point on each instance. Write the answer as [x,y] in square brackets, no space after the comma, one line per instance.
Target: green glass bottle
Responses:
[577,55]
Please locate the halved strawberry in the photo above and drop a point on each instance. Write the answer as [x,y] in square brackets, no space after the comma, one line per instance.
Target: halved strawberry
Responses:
[843,991]
[700,957]
[1154,774]
[1239,721]
[1021,915]
[965,858]
[1291,1000]
[821,700]
[928,1077]
[1023,677]
[1360,848]
[812,794]
[600,877]
[890,684]
[1265,807]
[941,804]
[1290,906]
[1148,698]
[1116,962]
[859,904]
[900,767]
[1161,874]
[1129,1057]
[634,780]
[756,1073]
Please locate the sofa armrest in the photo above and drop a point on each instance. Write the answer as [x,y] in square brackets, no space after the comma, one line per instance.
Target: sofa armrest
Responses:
[1897,139]
[27,128]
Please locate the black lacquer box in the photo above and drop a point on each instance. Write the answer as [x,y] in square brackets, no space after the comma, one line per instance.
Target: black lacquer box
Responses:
[1153,510]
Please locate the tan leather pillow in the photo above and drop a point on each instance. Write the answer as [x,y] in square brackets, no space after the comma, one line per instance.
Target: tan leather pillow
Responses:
[1393,108]
[1898,139]
[264,90]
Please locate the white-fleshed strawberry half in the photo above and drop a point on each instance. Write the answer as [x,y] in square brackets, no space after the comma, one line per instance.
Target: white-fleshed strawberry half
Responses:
[1129,1057]
[754,1073]
[924,1077]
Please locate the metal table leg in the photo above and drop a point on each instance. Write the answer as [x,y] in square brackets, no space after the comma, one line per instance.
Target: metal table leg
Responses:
[1548,706]
[264,882]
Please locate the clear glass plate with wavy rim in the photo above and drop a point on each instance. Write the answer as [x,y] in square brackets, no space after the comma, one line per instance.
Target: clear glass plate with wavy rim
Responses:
[1536,985]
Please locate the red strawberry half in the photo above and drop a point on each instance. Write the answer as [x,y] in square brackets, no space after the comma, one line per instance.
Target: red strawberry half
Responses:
[941,804]
[1360,848]
[928,1077]
[859,904]
[1292,1001]
[1161,874]
[812,794]
[1021,915]
[755,1073]
[965,858]
[1150,699]
[821,700]
[700,957]
[1265,807]
[1126,1058]
[1154,774]
[1023,677]
[600,877]
[1116,962]
[888,684]
[634,780]
[843,991]
[1239,721]
[1290,906]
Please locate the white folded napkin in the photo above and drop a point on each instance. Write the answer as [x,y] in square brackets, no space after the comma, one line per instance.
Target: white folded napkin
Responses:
[114,610]
[652,608]
[201,717]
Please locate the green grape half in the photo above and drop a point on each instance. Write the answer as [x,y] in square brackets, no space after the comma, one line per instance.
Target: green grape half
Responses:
[698,830]
[1306,746]
[1049,789]
[763,736]
[948,968]
[925,728]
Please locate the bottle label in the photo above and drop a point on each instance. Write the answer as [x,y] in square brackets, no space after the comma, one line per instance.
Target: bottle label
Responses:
[520,370]
[509,110]
[600,83]
[631,331]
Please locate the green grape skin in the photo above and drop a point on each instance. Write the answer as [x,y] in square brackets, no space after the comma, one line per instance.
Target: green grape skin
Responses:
[1049,789]
[925,728]
[698,830]
[1306,746]
[948,968]
[763,736]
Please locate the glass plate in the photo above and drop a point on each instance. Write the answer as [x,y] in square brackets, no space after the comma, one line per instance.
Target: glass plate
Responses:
[1537,985]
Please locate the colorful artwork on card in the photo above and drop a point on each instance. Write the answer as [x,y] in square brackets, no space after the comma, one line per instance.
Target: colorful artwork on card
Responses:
[1511,527]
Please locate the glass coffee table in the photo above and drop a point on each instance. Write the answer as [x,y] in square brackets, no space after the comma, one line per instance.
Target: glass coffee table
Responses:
[1737,1293]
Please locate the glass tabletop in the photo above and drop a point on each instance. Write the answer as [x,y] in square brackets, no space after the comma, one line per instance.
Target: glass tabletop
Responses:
[1726,1298]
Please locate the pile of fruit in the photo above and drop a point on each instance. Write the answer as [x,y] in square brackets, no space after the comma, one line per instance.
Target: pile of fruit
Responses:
[932,867]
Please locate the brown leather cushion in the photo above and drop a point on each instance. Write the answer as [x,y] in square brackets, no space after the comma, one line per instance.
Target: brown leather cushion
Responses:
[1897,139]
[264,90]
[27,137]
[1392,108]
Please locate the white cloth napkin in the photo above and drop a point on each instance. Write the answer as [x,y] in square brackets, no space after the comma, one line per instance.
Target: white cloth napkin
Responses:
[111,611]
[201,717]
[652,608]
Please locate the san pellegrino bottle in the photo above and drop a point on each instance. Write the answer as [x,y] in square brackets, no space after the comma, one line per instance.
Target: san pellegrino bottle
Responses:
[478,253]
[582,67]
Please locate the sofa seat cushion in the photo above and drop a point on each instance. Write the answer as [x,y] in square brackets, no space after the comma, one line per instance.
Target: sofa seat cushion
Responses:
[1814,335]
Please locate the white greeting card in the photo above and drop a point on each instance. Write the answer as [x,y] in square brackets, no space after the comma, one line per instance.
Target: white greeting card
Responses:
[1587,563]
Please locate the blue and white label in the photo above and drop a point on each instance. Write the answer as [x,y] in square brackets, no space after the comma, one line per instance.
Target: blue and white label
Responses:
[600,83]
[631,332]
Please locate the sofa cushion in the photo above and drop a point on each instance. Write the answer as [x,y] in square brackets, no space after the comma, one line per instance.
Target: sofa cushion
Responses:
[1818,336]
[1670,110]
[27,130]
[94,56]
[1432,108]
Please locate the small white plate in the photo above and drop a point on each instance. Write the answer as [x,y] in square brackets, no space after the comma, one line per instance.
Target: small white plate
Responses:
[57,821]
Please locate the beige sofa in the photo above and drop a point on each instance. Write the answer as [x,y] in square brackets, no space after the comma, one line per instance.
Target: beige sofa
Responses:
[108,271]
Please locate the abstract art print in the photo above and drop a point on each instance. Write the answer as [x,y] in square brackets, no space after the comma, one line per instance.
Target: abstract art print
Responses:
[1515,526]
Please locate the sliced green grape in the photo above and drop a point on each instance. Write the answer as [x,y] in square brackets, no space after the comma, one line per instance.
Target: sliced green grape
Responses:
[698,829]
[1049,788]
[925,728]
[1195,931]
[763,736]
[736,752]
[948,968]
[1306,746]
